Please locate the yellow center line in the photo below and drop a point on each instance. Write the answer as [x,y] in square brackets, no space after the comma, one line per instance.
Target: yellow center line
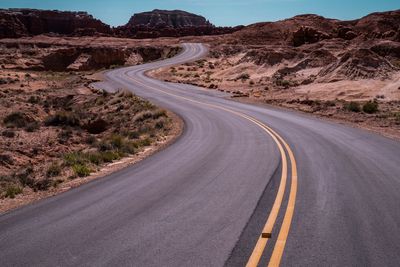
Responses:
[267,230]
[287,220]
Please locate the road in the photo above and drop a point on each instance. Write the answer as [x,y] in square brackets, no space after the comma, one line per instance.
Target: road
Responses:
[205,200]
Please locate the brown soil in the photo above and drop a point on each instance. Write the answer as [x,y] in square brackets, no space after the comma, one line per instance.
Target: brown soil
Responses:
[29,196]
[309,63]
[57,133]
[324,67]
[306,91]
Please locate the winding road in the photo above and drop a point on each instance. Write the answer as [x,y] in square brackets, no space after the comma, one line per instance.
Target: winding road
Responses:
[243,185]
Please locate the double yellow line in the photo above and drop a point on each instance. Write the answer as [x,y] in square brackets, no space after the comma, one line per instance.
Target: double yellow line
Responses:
[270,223]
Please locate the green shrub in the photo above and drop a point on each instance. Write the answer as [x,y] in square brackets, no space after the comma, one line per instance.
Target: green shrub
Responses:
[98,158]
[6,179]
[8,133]
[32,126]
[397,118]
[91,140]
[12,191]
[142,143]
[96,127]
[370,107]
[243,77]
[103,145]
[81,170]
[75,158]
[159,113]
[330,103]
[62,119]
[64,135]
[134,135]
[42,185]
[6,159]
[78,160]
[307,101]
[109,156]
[160,124]
[352,106]
[142,116]
[53,170]
[285,83]
[34,99]
[25,177]
[128,148]
[16,119]
[3,81]
[57,182]
[95,158]
[117,141]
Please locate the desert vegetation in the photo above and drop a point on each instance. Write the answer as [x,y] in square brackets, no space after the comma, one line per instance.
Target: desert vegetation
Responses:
[55,130]
[345,71]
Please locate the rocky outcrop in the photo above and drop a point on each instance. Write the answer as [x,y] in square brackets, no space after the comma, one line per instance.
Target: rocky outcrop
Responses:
[383,25]
[164,23]
[270,56]
[346,33]
[308,29]
[27,55]
[60,59]
[388,49]
[308,35]
[313,48]
[157,23]
[11,26]
[167,19]
[25,22]
[359,64]
[91,58]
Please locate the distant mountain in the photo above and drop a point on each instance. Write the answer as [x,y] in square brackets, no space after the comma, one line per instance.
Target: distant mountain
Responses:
[169,23]
[22,22]
[167,19]
[365,48]
[16,23]
[306,29]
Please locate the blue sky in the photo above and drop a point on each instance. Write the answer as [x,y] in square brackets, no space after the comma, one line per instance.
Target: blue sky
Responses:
[219,12]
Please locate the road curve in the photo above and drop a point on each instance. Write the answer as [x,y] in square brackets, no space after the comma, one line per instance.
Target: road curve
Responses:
[204,200]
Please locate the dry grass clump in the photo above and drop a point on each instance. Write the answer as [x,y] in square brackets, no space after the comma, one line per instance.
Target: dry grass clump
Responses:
[78,134]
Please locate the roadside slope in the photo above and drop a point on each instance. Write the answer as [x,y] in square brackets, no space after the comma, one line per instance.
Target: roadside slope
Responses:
[188,204]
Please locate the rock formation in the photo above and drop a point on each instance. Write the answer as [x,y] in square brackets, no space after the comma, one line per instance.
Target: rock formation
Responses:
[167,19]
[307,29]
[164,23]
[26,22]
[157,23]
[329,49]
[30,55]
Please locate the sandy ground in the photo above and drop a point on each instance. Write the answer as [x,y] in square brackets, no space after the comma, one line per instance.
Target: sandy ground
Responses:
[29,196]
[39,95]
[320,98]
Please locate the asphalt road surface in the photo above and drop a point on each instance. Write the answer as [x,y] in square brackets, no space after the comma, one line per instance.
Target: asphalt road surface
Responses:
[204,200]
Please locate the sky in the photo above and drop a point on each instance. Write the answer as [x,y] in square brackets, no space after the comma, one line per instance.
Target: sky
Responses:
[219,12]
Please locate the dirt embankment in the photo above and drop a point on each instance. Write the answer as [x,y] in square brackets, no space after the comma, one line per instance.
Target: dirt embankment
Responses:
[72,54]
[345,70]
[57,133]
[372,103]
